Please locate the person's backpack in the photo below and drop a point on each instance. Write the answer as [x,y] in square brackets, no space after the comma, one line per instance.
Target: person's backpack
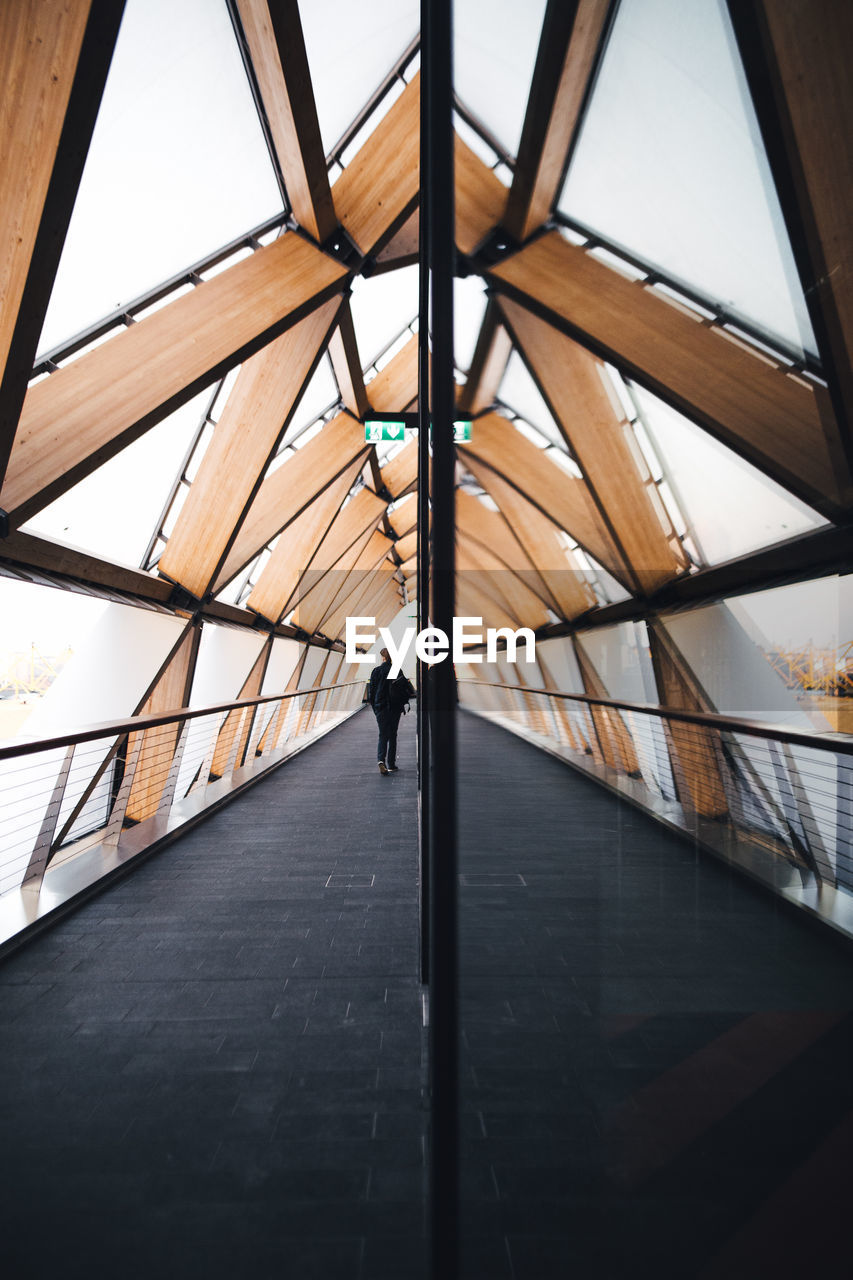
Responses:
[401,692]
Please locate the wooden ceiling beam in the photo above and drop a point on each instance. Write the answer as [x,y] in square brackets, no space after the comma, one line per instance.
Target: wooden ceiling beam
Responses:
[87,411]
[273,33]
[573,33]
[294,550]
[779,421]
[343,352]
[567,588]
[318,598]
[255,415]
[488,365]
[797,62]
[54,59]
[401,472]
[378,190]
[499,448]
[583,401]
[288,490]
[396,386]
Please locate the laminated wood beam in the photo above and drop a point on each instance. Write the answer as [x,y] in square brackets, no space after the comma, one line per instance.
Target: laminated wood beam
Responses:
[556,567]
[343,352]
[498,447]
[88,410]
[587,410]
[614,739]
[234,734]
[493,530]
[480,197]
[158,745]
[401,472]
[572,36]
[474,602]
[28,551]
[779,421]
[267,389]
[396,386]
[317,597]
[488,365]
[293,551]
[360,582]
[286,491]
[406,547]
[405,515]
[273,33]
[378,190]
[695,757]
[476,563]
[797,61]
[403,249]
[54,59]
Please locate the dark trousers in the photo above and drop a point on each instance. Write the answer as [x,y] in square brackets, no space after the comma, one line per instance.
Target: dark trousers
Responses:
[387,721]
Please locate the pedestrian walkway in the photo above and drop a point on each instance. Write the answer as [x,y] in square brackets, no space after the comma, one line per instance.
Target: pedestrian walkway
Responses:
[216,1067]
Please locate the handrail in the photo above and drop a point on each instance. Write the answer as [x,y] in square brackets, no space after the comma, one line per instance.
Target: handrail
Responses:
[710,720]
[137,724]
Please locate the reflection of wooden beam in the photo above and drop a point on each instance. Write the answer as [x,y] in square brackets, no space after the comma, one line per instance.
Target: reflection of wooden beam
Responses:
[274,35]
[778,421]
[54,58]
[268,387]
[578,389]
[567,589]
[568,50]
[286,491]
[477,563]
[378,190]
[343,351]
[564,498]
[91,408]
[797,61]
[489,363]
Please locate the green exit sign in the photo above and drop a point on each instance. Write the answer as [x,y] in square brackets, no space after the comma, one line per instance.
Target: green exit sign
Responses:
[374,432]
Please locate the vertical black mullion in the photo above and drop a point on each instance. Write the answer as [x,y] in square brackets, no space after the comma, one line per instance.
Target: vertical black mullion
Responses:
[437,208]
[423,545]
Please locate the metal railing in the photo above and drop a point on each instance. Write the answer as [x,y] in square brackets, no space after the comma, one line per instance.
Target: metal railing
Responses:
[61,796]
[768,796]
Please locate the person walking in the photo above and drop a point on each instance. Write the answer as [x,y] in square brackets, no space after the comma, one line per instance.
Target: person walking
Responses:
[387,712]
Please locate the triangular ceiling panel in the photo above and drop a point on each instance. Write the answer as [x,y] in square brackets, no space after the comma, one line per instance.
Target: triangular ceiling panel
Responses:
[670,164]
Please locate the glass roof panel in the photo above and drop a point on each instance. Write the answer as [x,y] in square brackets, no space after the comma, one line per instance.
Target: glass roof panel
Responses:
[177,167]
[495,44]
[733,507]
[321,392]
[112,513]
[469,305]
[351,48]
[381,308]
[520,393]
[670,164]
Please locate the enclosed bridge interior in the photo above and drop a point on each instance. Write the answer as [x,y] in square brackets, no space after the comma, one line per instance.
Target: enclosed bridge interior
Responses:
[533,313]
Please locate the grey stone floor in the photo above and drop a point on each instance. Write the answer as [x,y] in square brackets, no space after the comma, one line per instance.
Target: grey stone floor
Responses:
[216,1068]
[657,1058]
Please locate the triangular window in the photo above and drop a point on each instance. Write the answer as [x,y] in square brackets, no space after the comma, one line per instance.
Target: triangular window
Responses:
[670,165]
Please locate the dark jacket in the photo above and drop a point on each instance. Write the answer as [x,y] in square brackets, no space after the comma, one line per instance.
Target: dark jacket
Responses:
[379,688]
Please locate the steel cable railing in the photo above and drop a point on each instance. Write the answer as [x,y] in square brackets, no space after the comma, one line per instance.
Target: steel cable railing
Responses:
[60,796]
[772,791]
